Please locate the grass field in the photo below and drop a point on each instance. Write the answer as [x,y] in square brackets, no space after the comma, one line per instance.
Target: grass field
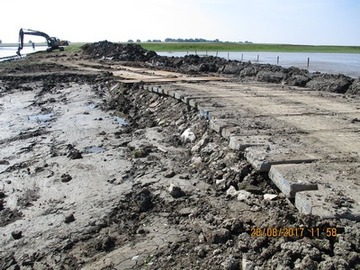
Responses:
[242,47]
[227,47]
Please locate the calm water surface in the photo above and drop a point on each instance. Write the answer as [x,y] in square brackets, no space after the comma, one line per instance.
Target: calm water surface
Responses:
[334,63]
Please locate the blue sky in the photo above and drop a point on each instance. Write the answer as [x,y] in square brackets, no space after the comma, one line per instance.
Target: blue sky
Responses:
[316,22]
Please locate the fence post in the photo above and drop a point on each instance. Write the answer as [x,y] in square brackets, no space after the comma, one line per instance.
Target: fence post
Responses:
[242,56]
[258,58]
[277,60]
[228,56]
[308,62]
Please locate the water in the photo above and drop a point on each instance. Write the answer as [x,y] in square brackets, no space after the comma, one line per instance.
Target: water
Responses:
[11,51]
[41,118]
[121,121]
[333,63]
[94,150]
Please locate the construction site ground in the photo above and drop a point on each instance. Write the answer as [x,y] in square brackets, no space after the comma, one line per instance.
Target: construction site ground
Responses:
[106,165]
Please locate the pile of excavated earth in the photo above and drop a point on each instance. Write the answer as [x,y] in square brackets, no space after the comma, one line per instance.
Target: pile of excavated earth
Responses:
[95,174]
[195,64]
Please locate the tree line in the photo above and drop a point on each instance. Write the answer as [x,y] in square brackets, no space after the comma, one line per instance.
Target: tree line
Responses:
[178,40]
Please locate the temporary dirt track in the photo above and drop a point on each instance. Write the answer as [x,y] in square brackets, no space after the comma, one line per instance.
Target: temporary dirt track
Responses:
[109,166]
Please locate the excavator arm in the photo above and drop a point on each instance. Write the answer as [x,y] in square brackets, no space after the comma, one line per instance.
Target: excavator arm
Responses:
[52,42]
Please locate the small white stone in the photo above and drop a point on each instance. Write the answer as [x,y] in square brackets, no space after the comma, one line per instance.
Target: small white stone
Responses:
[232,192]
[188,136]
[243,195]
[270,196]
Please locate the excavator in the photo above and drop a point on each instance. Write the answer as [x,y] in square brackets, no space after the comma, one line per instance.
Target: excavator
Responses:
[52,42]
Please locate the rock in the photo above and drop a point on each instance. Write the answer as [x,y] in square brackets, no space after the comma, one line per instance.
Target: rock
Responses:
[74,154]
[219,236]
[200,251]
[196,161]
[202,238]
[250,188]
[246,264]
[176,191]
[169,174]
[188,136]
[2,195]
[106,244]
[66,178]
[230,263]
[243,195]
[69,218]
[220,184]
[204,140]
[306,263]
[232,192]
[16,234]
[144,200]
[270,196]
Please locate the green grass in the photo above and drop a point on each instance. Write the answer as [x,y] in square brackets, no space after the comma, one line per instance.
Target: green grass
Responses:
[225,47]
[242,47]
[74,47]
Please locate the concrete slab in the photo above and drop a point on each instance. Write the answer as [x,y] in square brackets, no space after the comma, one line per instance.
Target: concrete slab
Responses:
[284,179]
[325,189]
[243,142]
[262,158]
[327,204]
[337,194]
[218,125]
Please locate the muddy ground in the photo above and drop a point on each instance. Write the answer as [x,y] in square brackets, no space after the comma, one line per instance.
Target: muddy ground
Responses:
[96,175]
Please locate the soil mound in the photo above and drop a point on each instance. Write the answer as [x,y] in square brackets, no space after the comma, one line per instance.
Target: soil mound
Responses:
[116,51]
[194,64]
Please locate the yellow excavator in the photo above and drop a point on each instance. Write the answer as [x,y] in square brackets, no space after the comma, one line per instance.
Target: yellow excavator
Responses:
[53,43]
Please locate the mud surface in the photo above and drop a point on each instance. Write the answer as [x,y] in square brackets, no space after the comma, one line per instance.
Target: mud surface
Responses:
[98,175]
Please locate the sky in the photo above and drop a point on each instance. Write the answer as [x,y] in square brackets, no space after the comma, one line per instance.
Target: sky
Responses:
[313,22]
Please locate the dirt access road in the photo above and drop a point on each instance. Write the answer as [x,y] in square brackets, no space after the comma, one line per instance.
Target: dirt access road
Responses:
[98,173]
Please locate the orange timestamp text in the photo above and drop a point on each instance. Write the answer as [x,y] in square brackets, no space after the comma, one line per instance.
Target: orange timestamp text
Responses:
[298,232]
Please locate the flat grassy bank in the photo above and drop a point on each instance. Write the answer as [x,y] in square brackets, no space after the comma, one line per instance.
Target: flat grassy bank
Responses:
[221,47]
[242,47]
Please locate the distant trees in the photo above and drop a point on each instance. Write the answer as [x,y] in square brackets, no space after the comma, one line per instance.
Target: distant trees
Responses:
[154,40]
[190,40]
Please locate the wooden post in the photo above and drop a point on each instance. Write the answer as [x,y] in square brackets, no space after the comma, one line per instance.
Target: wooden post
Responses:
[277,60]
[242,56]
[216,54]
[308,62]
[228,56]
[258,58]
